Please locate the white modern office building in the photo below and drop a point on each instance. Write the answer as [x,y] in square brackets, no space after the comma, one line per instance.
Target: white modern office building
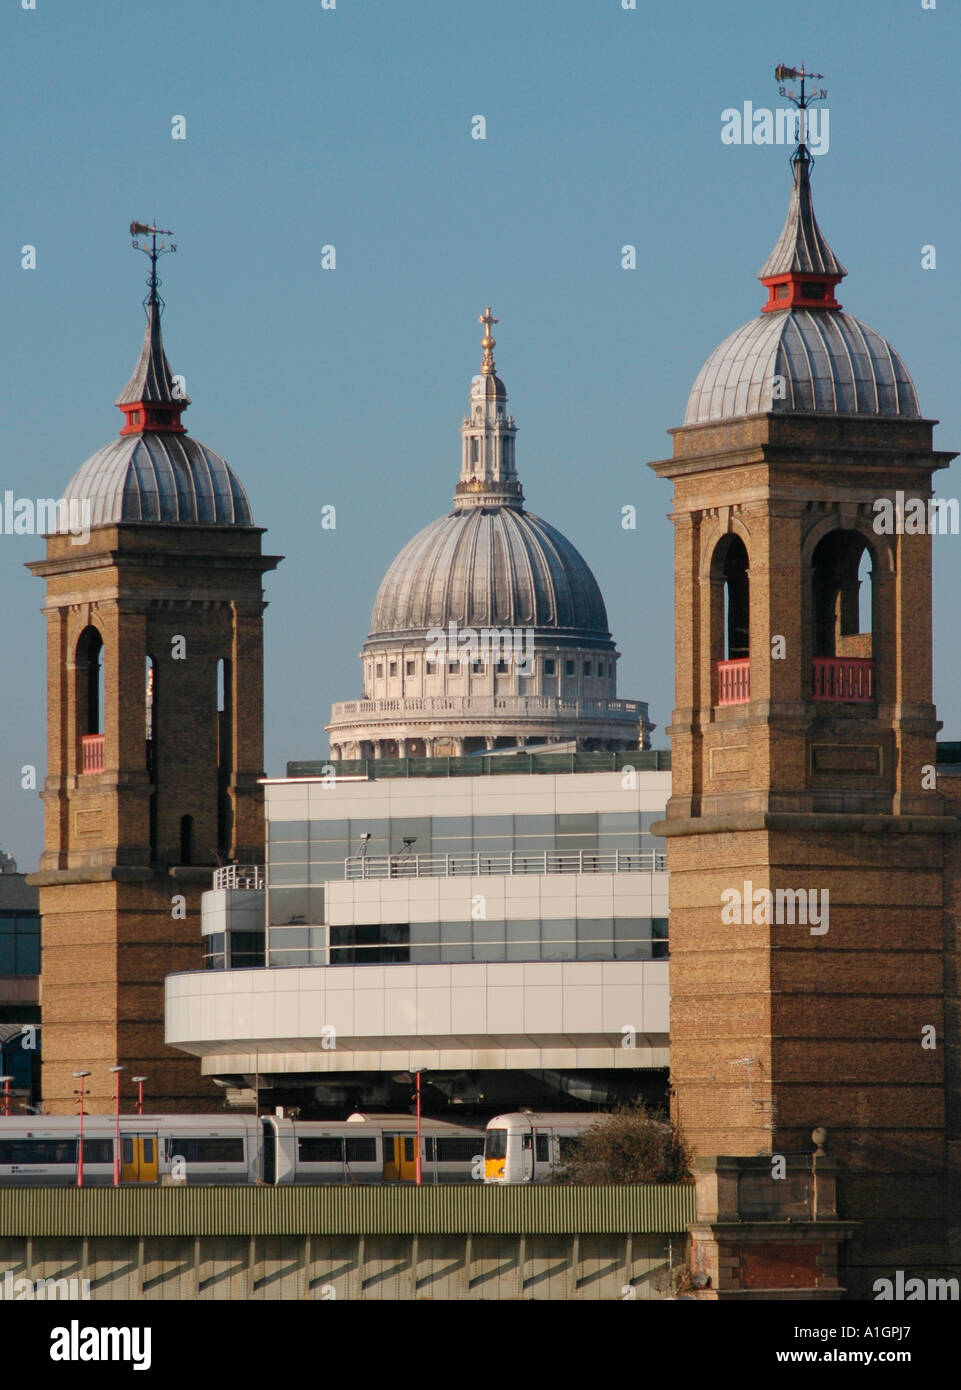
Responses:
[506,932]
[469,888]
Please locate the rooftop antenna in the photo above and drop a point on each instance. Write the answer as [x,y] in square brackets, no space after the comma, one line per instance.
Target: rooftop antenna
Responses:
[155,250]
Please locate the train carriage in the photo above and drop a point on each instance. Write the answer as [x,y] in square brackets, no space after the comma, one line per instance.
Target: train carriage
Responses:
[531,1146]
[43,1151]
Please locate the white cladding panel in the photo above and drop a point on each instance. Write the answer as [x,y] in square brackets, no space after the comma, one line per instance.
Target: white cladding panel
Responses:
[543,1014]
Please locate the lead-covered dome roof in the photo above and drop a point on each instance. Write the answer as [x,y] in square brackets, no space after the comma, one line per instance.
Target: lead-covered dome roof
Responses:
[154,471]
[490,567]
[802,359]
[160,477]
[802,353]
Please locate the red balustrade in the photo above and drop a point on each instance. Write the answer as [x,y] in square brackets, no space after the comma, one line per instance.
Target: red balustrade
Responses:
[91,749]
[844,678]
[734,682]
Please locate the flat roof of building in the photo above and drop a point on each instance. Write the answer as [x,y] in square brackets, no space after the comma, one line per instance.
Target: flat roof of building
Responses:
[490,764]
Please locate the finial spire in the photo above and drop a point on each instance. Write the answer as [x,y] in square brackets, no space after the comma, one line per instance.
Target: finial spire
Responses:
[802,271]
[487,342]
[153,398]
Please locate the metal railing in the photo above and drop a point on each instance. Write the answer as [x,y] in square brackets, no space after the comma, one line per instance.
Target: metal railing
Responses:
[91,752]
[486,764]
[240,876]
[477,864]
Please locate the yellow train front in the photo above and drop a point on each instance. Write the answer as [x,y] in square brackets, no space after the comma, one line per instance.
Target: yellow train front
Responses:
[531,1146]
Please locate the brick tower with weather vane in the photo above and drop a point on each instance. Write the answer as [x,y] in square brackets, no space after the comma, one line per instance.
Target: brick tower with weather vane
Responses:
[155,734]
[803,754]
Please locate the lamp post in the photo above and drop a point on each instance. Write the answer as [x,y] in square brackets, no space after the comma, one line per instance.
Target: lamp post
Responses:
[80,1075]
[418,1174]
[6,1093]
[139,1080]
[116,1141]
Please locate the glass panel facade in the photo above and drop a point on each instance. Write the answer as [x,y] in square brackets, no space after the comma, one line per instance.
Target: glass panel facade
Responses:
[302,852]
[19,945]
[304,855]
[432,943]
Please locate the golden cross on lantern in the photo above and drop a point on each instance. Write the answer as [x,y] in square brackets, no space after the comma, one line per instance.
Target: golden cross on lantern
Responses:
[487,342]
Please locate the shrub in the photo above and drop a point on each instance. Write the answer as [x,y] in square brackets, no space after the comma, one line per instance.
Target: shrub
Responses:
[630,1144]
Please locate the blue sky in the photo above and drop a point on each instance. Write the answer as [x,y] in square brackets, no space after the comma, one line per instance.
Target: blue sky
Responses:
[352,127]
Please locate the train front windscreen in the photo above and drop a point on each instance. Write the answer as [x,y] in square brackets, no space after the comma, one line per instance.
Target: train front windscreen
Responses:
[495,1144]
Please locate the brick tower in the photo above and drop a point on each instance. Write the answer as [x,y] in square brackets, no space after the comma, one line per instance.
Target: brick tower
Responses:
[155,736]
[803,756]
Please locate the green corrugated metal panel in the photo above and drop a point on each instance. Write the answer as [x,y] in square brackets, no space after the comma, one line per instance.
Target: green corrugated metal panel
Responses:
[488,1210]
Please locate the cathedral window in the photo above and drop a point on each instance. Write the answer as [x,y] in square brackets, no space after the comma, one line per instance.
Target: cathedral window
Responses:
[431,667]
[549,666]
[410,668]
[568,668]
[392,670]
[587,668]
[378,670]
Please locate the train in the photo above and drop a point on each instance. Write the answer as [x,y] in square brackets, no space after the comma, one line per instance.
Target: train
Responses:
[529,1146]
[274,1150]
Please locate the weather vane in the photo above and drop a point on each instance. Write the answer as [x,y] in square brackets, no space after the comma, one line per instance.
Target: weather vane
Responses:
[802,102]
[155,250]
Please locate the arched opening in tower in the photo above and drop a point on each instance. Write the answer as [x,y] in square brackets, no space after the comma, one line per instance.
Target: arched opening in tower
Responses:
[737,602]
[150,700]
[842,579]
[90,690]
[224,755]
[730,619]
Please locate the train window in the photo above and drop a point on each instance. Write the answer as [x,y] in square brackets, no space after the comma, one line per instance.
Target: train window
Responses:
[207,1150]
[527,1142]
[457,1150]
[495,1143]
[321,1148]
[126,1149]
[97,1150]
[54,1151]
[428,1150]
[567,1144]
[147,1151]
[542,1149]
[362,1151]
